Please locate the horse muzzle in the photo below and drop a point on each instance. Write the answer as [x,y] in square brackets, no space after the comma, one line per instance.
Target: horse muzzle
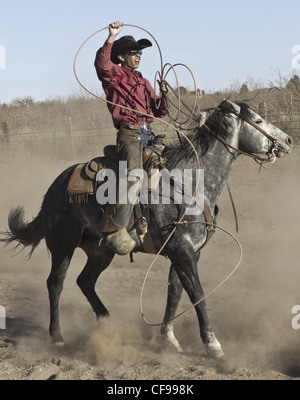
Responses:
[279,149]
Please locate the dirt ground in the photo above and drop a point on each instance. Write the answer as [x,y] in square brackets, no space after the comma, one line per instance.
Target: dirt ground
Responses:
[251,313]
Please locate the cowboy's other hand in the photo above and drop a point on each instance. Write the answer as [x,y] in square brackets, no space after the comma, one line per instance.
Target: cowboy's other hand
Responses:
[163,87]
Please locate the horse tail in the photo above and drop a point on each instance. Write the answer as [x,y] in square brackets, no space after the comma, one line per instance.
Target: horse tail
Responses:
[25,233]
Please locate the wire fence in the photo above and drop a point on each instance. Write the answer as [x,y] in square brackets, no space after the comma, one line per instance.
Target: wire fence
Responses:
[80,145]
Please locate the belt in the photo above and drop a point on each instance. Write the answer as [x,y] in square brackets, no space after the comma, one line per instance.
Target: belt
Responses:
[137,125]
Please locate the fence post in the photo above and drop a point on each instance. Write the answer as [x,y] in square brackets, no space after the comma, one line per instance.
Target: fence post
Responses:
[68,132]
[263,108]
[4,128]
[2,318]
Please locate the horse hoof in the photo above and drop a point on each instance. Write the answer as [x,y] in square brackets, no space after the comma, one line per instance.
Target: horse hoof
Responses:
[57,340]
[59,344]
[172,339]
[168,334]
[214,349]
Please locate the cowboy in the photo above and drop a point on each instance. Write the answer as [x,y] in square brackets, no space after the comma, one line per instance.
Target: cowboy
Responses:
[126,87]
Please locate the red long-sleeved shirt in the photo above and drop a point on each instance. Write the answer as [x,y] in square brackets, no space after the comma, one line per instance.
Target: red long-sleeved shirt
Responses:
[125,87]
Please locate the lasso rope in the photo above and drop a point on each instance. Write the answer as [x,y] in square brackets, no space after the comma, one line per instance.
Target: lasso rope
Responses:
[130,109]
[162,75]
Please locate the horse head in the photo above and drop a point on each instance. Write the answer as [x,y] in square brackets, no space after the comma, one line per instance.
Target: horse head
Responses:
[255,135]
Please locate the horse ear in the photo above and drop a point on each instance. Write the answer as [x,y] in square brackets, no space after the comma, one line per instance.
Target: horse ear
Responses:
[228,105]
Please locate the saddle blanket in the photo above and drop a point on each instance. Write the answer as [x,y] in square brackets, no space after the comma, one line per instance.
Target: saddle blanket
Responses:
[82,183]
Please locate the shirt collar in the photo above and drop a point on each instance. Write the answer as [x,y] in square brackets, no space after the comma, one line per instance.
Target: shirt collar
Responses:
[134,71]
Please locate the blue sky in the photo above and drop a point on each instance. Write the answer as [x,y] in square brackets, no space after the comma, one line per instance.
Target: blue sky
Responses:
[222,42]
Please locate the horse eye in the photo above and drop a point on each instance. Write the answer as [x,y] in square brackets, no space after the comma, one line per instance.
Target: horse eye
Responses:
[258,121]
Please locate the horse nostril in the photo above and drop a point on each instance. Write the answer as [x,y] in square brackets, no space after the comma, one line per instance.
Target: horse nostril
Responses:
[289,141]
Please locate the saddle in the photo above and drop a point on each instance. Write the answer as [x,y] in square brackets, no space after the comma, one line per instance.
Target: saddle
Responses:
[83,184]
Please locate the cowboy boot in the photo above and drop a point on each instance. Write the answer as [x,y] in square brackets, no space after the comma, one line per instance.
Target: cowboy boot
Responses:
[120,242]
[114,223]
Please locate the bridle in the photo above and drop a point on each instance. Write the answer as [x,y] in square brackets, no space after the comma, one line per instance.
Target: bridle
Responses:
[274,143]
[271,156]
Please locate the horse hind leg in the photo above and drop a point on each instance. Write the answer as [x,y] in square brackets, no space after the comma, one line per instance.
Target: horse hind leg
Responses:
[60,265]
[99,259]
[174,295]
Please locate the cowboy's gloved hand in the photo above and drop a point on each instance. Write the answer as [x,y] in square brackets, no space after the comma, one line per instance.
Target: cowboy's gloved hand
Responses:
[115,28]
[163,87]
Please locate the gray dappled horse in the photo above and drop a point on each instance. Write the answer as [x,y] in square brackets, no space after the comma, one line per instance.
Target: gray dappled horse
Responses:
[231,129]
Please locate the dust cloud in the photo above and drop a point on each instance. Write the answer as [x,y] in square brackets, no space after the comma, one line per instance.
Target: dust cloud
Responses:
[250,314]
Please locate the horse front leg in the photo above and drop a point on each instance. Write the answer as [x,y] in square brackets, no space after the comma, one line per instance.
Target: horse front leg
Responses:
[185,264]
[174,295]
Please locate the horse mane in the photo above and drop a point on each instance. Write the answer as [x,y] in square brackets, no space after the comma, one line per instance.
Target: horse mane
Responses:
[201,138]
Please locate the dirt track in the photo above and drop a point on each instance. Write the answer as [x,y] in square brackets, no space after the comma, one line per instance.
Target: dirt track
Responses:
[251,313]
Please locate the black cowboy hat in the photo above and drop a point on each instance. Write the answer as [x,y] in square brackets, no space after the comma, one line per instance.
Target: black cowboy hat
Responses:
[127,43]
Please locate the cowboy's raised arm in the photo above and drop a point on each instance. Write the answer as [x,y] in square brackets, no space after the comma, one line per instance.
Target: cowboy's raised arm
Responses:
[105,68]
